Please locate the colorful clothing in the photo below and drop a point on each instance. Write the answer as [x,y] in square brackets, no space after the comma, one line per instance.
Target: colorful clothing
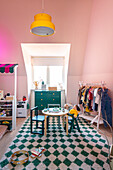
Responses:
[73,111]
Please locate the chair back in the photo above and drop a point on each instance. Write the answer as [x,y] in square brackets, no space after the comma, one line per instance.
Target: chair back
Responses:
[53,105]
[34,109]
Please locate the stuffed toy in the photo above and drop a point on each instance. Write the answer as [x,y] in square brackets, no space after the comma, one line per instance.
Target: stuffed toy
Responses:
[75,110]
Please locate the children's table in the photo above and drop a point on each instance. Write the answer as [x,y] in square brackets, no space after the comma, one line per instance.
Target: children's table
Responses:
[50,112]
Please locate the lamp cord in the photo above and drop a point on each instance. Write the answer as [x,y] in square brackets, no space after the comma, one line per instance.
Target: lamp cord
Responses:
[42,6]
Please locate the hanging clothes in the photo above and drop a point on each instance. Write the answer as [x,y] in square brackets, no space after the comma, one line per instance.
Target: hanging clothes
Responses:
[98,98]
[106,107]
[80,94]
[86,94]
[83,96]
[90,98]
[95,105]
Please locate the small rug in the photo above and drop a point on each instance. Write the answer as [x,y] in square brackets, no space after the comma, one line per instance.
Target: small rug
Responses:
[86,150]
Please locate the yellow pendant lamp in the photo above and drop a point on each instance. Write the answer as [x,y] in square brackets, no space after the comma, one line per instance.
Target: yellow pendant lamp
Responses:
[42,25]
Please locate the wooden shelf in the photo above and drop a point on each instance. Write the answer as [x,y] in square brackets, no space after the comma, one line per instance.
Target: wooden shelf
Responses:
[6,118]
[7,105]
[5,101]
[4,108]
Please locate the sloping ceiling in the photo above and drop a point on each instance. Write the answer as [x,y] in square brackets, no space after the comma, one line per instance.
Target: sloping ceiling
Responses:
[71,19]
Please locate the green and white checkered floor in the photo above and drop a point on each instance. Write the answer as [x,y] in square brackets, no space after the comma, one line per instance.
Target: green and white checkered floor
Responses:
[86,150]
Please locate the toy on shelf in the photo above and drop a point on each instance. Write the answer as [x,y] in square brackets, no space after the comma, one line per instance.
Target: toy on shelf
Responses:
[24,98]
[43,87]
[3,114]
[5,122]
[61,86]
[36,83]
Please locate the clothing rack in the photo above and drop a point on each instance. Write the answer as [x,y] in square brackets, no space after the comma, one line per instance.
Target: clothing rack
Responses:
[97,117]
[102,84]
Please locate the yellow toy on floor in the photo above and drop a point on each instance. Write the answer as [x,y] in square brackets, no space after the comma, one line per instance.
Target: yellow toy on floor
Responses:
[75,110]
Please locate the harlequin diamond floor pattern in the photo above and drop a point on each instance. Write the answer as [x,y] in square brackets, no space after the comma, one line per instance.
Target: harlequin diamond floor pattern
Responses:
[77,151]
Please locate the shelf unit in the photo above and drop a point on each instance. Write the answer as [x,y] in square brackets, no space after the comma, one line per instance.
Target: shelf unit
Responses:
[7,69]
[7,106]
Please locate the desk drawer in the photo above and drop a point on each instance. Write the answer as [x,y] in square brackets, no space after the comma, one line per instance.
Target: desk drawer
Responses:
[40,99]
[41,106]
[54,100]
[53,94]
[40,94]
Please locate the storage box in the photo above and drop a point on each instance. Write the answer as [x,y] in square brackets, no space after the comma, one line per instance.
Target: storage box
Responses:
[52,88]
[9,97]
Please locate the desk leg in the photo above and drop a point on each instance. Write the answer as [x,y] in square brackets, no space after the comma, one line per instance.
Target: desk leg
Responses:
[66,124]
[45,125]
[63,120]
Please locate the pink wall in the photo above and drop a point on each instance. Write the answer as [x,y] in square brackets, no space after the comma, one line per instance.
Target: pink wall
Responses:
[71,19]
[99,51]
[98,60]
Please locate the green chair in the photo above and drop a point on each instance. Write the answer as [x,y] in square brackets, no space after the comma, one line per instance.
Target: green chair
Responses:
[38,119]
[73,122]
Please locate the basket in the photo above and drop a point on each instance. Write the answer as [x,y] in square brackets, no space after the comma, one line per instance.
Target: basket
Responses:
[52,88]
[9,97]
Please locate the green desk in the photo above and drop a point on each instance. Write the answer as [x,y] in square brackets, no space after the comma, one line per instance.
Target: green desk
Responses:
[45,97]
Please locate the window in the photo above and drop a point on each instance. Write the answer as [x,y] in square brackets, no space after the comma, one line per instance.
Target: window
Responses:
[51,75]
[48,69]
[40,72]
[56,75]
